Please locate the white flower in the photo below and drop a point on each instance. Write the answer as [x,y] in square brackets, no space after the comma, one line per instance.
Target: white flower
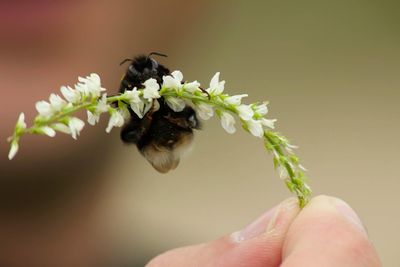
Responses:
[124,112]
[235,99]
[268,123]
[176,104]
[150,90]
[116,120]
[71,95]
[21,122]
[75,126]
[192,86]
[135,101]
[205,111]
[13,149]
[255,127]
[173,81]
[47,131]
[61,127]
[102,105]
[245,112]
[56,102]
[261,109]
[44,108]
[93,118]
[228,122]
[216,86]
[91,85]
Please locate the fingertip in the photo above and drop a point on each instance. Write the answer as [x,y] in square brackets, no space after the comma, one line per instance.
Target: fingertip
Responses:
[328,230]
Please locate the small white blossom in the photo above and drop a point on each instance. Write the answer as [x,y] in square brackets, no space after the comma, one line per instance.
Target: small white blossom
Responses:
[192,86]
[136,103]
[151,89]
[91,85]
[216,86]
[93,118]
[173,81]
[176,104]
[71,95]
[61,127]
[268,123]
[101,107]
[75,126]
[255,128]
[228,122]
[44,108]
[261,109]
[13,149]
[116,120]
[56,102]
[124,112]
[235,99]
[245,112]
[21,121]
[47,131]
[205,111]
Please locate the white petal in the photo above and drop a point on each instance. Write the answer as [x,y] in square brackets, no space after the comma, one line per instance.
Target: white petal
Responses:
[13,150]
[21,121]
[177,75]
[205,111]
[228,122]
[255,128]
[71,95]
[116,120]
[151,89]
[138,109]
[214,80]
[102,105]
[235,99]
[262,109]
[75,125]
[192,86]
[56,102]
[132,95]
[44,108]
[245,112]
[171,82]
[176,104]
[268,123]
[61,127]
[216,86]
[125,113]
[92,118]
[48,131]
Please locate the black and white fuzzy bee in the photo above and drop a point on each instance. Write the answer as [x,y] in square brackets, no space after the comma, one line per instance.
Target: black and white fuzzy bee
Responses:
[162,135]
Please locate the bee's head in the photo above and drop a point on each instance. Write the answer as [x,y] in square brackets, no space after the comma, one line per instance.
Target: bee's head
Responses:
[145,67]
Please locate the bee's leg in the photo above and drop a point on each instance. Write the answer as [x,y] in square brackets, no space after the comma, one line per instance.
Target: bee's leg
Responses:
[204,91]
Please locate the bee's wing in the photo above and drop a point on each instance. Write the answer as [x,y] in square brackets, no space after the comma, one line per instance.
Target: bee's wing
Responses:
[162,158]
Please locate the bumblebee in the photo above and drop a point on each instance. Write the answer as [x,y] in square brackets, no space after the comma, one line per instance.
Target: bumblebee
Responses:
[162,135]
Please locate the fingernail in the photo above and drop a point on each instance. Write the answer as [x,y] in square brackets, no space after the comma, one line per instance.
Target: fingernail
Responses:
[265,223]
[283,208]
[350,214]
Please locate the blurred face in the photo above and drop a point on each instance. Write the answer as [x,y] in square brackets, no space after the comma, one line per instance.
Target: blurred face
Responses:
[45,44]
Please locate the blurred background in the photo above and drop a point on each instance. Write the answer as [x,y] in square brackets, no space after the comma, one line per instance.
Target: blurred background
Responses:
[330,69]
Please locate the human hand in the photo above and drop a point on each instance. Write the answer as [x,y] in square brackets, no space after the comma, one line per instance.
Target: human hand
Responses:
[327,232]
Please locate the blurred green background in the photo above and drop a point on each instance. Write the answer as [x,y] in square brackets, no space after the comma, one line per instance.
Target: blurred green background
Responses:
[331,71]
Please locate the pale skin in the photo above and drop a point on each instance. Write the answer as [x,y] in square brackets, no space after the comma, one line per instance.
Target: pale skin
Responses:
[327,232]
